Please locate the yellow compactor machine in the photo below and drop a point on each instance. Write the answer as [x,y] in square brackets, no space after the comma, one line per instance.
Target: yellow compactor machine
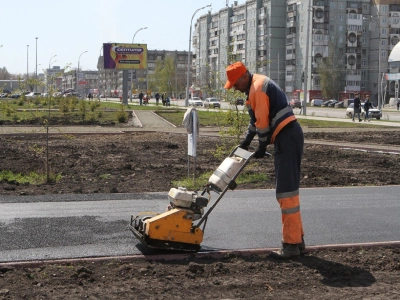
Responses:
[182,226]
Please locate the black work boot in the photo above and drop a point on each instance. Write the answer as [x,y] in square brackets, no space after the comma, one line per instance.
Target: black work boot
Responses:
[288,251]
[302,246]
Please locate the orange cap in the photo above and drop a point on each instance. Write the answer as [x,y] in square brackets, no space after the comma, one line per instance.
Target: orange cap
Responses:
[234,72]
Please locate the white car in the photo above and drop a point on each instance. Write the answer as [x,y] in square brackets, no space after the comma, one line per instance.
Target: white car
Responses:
[195,101]
[373,112]
[32,95]
[317,102]
[212,103]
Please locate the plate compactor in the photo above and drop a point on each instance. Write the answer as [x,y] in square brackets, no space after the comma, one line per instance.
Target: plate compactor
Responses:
[179,228]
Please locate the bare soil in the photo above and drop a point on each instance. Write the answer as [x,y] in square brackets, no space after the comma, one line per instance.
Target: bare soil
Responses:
[149,162]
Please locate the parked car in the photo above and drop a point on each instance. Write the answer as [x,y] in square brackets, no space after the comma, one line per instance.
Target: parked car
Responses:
[332,103]
[317,102]
[195,101]
[339,104]
[15,96]
[239,101]
[295,103]
[72,94]
[212,103]
[32,95]
[373,112]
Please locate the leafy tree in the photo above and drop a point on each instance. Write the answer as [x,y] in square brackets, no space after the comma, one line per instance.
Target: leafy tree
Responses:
[163,79]
[331,72]
[4,75]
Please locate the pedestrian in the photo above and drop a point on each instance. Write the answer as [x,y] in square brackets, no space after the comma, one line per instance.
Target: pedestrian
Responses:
[273,121]
[163,99]
[141,97]
[357,107]
[157,95]
[90,96]
[398,104]
[367,107]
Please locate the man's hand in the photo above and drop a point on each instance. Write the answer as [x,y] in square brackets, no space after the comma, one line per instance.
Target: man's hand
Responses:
[244,145]
[260,152]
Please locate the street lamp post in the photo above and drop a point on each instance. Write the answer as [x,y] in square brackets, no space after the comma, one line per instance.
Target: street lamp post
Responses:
[188,63]
[133,39]
[48,71]
[378,24]
[379,62]
[304,106]
[77,73]
[36,66]
[27,64]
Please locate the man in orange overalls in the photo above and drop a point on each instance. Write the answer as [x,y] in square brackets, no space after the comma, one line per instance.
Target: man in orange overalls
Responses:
[273,121]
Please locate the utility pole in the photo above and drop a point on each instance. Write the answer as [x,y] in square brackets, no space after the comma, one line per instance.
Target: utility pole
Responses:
[306,61]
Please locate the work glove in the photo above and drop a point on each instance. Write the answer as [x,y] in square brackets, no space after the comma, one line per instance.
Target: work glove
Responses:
[244,145]
[260,151]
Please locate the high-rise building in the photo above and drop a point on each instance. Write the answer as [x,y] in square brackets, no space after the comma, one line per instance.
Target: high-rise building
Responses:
[345,44]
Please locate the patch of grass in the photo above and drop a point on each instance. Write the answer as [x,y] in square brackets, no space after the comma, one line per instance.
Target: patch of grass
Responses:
[31,178]
[104,176]
[332,124]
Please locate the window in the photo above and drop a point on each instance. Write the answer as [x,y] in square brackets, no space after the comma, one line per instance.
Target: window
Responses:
[395,18]
[262,52]
[319,13]
[352,37]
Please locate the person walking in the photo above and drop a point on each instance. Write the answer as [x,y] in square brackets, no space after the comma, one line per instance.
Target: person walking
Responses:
[141,97]
[367,107]
[398,104]
[163,99]
[157,95]
[273,121]
[357,107]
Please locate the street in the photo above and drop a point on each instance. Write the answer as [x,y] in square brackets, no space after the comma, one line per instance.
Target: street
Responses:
[388,113]
[69,226]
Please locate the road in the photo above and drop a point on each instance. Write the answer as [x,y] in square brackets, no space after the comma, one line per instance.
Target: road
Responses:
[69,226]
[388,113]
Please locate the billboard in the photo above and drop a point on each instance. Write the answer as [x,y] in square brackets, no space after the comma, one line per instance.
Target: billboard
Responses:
[120,56]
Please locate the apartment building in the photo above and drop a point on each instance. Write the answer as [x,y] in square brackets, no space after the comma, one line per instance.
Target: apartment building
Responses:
[291,41]
[110,81]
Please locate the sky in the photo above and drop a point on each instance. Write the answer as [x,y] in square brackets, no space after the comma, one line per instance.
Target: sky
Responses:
[67,28]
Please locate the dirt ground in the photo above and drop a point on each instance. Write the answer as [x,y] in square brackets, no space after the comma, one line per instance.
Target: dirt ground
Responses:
[149,162]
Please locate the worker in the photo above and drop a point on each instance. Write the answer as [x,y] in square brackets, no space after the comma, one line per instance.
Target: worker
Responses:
[273,121]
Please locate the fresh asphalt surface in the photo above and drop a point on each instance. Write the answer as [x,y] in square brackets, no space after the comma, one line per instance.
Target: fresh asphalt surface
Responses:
[96,225]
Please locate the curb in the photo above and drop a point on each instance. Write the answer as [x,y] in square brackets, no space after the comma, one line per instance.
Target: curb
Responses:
[213,254]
